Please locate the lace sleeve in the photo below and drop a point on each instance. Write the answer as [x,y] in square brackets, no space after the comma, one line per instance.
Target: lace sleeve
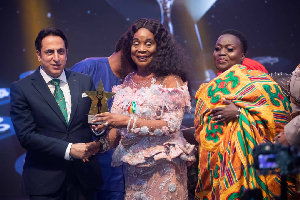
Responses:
[169,124]
[172,101]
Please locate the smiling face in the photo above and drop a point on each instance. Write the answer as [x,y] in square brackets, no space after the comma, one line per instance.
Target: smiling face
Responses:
[228,52]
[53,55]
[143,48]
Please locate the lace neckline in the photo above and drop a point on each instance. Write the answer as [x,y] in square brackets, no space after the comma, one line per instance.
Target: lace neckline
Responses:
[145,83]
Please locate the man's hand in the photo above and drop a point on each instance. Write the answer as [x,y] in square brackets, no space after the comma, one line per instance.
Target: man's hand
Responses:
[280,138]
[80,151]
[93,147]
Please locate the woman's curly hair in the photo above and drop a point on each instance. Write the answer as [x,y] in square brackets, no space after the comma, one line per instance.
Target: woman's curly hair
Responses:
[170,57]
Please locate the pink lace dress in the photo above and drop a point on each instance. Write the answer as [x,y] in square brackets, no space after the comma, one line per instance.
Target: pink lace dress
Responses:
[156,155]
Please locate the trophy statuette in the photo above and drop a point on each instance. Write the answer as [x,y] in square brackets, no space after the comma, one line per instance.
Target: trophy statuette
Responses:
[99,102]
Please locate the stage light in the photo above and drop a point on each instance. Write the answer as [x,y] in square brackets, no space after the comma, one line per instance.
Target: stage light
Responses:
[19,164]
[6,127]
[23,75]
[4,96]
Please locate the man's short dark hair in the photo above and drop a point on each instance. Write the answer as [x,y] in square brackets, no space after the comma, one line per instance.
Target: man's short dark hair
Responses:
[46,32]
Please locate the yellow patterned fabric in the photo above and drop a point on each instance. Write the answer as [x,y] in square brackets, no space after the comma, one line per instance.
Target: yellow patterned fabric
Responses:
[225,148]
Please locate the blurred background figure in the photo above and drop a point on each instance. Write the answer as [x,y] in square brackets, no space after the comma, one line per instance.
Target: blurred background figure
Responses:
[291,133]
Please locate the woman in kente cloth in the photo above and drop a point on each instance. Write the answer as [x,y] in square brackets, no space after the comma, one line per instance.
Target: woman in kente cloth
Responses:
[234,112]
[147,112]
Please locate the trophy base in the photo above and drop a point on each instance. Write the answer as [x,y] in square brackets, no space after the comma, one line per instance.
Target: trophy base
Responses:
[90,119]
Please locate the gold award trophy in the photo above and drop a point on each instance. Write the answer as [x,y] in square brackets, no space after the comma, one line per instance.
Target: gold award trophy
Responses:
[99,102]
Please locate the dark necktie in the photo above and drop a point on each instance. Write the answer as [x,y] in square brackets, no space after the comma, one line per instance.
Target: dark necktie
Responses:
[60,98]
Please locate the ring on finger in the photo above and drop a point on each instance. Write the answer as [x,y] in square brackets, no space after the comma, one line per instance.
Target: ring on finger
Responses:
[105,124]
[219,116]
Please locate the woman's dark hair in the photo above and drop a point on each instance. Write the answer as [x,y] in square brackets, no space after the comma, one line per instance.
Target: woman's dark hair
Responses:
[46,32]
[170,57]
[118,46]
[239,35]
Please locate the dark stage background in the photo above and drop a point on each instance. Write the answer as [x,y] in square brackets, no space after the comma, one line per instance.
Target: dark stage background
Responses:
[272,28]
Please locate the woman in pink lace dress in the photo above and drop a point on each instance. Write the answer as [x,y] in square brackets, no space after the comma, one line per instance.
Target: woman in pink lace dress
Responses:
[147,112]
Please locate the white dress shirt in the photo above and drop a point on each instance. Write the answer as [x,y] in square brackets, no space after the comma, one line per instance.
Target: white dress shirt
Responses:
[66,91]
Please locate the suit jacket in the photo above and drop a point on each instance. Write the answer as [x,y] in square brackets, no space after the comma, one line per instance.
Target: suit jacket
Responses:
[42,130]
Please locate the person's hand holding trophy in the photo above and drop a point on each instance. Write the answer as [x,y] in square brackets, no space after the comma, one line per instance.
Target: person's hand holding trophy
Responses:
[99,105]
[101,120]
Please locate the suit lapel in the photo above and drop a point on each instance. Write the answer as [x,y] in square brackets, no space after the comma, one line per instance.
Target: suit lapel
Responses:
[41,86]
[73,83]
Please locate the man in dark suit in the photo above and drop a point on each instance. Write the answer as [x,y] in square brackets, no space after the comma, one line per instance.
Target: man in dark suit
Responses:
[48,111]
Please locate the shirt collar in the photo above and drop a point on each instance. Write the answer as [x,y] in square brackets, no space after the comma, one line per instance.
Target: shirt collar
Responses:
[48,78]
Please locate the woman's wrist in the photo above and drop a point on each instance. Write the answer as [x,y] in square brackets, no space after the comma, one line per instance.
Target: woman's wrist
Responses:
[104,145]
